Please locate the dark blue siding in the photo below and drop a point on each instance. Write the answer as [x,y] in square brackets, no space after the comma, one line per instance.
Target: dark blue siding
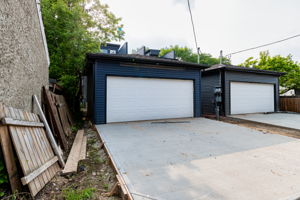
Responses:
[208,83]
[104,69]
[211,80]
[249,77]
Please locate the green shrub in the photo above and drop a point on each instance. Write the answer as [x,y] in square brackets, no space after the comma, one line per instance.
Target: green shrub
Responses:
[3,176]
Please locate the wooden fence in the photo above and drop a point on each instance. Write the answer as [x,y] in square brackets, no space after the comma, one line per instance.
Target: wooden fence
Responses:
[34,151]
[290,104]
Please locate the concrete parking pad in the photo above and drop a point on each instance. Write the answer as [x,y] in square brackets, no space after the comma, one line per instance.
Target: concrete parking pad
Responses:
[288,120]
[203,159]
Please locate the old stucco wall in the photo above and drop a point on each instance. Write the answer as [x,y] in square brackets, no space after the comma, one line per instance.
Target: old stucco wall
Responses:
[23,60]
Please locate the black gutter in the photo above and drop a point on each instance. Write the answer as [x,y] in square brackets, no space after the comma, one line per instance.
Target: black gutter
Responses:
[144,59]
[258,71]
[243,69]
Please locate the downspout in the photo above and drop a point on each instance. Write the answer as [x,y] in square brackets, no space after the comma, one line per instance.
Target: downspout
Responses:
[38,6]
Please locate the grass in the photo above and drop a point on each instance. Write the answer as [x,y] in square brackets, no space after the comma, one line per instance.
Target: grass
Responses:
[71,194]
[105,186]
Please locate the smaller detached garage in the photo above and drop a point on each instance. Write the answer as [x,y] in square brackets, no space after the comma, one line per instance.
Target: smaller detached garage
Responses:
[244,90]
[132,87]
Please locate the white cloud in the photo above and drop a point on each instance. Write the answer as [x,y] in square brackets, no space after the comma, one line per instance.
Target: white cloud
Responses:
[229,25]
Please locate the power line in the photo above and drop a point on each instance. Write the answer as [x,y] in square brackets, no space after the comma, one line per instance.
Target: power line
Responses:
[195,37]
[264,45]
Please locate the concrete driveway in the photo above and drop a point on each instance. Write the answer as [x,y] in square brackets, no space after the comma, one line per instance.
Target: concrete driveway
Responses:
[203,159]
[285,120]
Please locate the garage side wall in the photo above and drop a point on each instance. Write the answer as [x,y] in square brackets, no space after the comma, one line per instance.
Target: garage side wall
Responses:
[251,78]
[90,90]
[104,69]
[208,84]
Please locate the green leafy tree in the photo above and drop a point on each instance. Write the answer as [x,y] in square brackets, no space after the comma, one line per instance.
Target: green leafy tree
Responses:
[74,28]
[291,80]
[186,54]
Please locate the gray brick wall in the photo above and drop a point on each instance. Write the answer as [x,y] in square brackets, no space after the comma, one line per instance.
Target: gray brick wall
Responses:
[23,60]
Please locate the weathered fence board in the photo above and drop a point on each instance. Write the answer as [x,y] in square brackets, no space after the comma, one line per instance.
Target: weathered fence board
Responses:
[75,153]
[32,148]
[63,113]
[290,104]
[58,128]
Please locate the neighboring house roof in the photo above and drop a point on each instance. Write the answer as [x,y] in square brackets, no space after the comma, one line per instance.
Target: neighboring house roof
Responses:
[135,58]
[243,69]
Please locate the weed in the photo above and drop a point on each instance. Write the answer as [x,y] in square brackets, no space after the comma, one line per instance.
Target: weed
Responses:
[105,186]
[71,194]
[3,176]
[74,129]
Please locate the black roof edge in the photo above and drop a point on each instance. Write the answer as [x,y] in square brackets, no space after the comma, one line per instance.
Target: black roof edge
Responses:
[144,59]
[242,69]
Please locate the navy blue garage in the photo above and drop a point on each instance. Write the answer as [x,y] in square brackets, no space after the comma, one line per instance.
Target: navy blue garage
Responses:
[244,90]
[132,87]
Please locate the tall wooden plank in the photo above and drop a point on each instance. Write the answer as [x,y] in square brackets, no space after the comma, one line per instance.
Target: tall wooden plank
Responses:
[57,124]
[68,112]
[49,132]
[9,157]
[74,156]
[83,148]
[62,114]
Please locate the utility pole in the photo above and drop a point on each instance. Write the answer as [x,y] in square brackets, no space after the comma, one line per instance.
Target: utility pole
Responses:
[198,52]
[194,32]
[221,57]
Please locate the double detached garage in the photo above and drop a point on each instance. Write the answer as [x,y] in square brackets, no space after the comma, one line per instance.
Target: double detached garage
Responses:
[126,87]
[132,87]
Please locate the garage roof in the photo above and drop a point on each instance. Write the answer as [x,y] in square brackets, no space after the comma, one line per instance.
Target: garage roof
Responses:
[135,58]
[243,69]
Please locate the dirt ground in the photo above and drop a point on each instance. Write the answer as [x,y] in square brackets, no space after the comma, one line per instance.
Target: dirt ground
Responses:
[94,178]
[260,127]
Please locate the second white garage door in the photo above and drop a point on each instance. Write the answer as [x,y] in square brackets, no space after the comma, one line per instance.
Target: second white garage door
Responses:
[251,97]
[133,99]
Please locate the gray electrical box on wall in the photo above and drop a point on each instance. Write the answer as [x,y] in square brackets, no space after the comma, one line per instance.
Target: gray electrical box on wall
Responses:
[218,100]
[218,94]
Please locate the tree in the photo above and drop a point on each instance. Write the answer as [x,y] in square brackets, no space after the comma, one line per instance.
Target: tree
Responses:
[74,28]
[291,80]
[186,54]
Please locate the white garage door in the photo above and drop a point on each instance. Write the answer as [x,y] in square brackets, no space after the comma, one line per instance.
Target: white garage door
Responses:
[251,97]
[133,99]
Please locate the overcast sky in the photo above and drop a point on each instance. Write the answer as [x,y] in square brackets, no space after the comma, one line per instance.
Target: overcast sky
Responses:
[228,25]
